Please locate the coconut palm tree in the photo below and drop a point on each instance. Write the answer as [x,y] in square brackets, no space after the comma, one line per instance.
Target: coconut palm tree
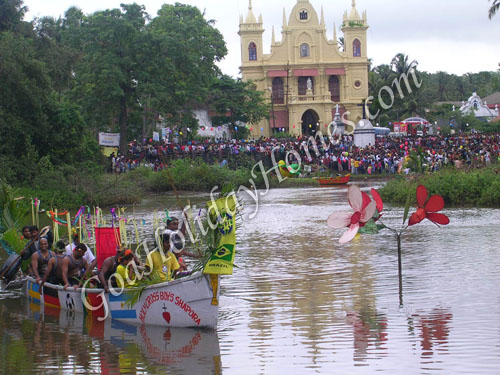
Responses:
[494,8]
[400,63]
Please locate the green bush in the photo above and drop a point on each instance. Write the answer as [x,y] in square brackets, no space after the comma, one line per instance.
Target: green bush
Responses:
[195,175]
[480,187]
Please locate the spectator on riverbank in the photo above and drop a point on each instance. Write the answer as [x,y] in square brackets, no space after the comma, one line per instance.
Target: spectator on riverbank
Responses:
[386,156]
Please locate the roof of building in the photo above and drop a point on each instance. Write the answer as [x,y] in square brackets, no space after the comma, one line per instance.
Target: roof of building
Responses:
[456,104]
[493,98]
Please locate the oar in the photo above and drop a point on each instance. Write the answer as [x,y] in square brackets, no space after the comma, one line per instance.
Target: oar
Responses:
[43,232]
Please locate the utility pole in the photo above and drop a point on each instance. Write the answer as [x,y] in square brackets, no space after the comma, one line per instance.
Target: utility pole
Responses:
[286,95]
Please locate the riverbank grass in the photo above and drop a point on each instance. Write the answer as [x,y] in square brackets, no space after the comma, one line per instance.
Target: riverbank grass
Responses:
[478,187]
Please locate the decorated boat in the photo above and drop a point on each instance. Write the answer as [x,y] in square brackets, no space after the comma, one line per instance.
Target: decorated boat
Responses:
[338,180]
[192,301]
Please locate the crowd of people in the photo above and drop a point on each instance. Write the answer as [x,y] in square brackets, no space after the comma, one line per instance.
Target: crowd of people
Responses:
[388,155]
[70,265]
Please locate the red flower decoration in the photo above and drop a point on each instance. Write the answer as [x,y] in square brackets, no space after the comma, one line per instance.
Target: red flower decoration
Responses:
[428,208]
[378,200]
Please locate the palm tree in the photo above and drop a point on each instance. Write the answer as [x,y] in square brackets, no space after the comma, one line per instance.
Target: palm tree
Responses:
[494,8]
[442,81]
[341,43]
[400,63]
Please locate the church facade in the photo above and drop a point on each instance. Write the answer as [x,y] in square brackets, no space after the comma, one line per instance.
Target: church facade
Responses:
[306,76]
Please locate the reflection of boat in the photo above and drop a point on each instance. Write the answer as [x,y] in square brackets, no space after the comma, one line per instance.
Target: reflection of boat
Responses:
[184,350]
[188,302]
[339,180]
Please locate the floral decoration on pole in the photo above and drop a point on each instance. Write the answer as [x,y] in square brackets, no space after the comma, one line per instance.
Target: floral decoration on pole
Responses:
[364,210]
[366,218]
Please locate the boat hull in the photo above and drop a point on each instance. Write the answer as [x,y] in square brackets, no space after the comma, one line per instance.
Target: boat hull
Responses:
[329,181]
[187,302]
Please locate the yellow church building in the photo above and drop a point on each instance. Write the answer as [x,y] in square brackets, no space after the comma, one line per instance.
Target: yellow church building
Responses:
[306,76]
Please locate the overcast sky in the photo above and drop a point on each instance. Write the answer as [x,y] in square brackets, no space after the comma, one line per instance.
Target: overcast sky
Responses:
[442,35]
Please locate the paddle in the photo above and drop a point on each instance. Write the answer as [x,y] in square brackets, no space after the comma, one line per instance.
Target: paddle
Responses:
[42,233]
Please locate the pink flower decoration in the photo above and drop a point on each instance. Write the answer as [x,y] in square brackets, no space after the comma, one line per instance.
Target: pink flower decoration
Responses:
[363,208]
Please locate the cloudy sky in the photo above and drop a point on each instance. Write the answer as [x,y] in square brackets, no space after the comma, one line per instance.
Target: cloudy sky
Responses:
[442,35]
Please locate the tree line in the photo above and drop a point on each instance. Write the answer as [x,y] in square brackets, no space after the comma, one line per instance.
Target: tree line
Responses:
[65,79]
[424,90]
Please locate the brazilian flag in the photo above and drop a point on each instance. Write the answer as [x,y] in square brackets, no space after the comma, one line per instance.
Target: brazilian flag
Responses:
[222,260]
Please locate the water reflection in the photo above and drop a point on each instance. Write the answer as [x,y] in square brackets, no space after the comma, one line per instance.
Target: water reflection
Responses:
[298,302]
[433,330]
[38,339]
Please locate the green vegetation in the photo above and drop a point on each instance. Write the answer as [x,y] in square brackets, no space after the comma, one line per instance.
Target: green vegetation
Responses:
[186,174]
[236,102]
[423,91]
[479,187]
[118,70]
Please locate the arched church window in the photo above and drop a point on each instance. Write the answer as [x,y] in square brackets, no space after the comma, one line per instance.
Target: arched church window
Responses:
[356,48]
[304,50]
[278,91]
[252,51]
[334,88]
[304,84]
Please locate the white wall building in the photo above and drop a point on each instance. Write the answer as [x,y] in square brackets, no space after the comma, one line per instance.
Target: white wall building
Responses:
[478,108]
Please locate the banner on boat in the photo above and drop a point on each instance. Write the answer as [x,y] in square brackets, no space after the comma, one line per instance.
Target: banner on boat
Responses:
[222,260]
[109,139]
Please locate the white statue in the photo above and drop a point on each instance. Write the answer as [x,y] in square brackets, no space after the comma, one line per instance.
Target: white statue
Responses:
[309,84]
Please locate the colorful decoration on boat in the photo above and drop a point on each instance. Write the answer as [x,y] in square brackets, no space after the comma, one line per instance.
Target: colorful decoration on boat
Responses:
[223,214]
[292,170]
[54,216]
[167,217]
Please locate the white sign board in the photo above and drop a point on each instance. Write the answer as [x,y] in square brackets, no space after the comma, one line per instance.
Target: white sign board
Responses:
[156,136]
[109,139]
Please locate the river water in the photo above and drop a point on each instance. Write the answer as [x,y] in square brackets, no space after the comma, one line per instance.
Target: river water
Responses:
[298,302]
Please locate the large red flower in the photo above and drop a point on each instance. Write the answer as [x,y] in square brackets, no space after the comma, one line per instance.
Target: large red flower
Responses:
[428,208]
[380,204]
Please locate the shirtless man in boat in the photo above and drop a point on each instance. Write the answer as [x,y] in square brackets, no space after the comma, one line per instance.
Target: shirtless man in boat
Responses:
[108,268]
[54,269]
[75,267]
[40,259]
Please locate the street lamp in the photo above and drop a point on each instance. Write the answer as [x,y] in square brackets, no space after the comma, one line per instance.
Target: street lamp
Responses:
[272,107]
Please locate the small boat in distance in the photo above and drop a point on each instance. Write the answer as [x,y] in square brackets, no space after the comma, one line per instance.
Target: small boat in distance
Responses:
[338,180]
